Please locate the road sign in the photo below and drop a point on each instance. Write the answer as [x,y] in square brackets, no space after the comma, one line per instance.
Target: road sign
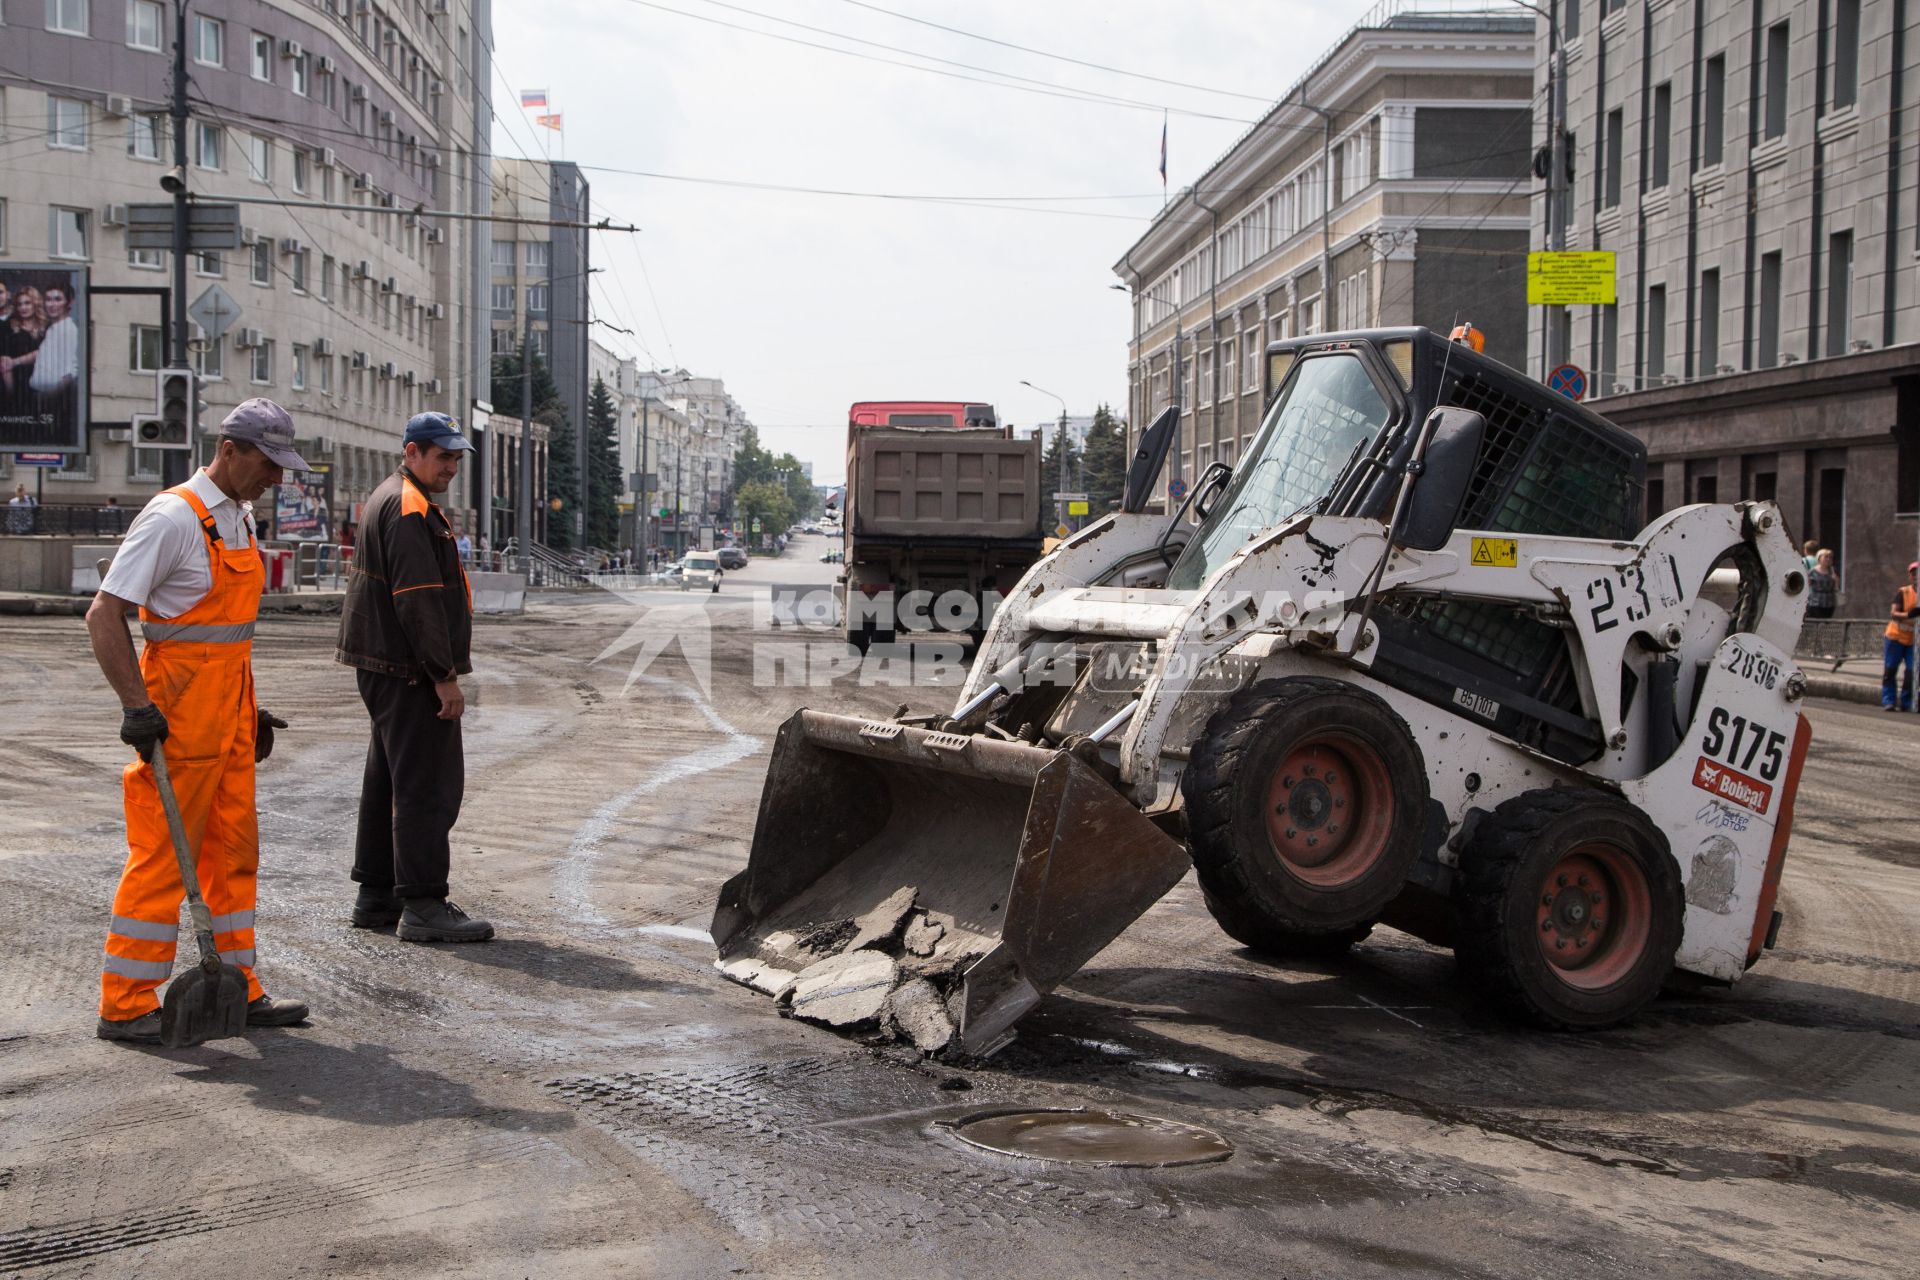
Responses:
[1061,531]
[211,228]
[1176,489]
[1077,508]
[214,311]
[1570,380]
[39,459]
[1570,279]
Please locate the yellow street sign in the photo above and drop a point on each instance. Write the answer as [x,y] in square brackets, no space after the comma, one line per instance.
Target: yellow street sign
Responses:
[1061,531]
[1570,279]
[1076,508]
[1496,553]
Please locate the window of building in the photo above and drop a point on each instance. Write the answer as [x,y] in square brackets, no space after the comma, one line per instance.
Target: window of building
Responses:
[259,158]
[1356,164]
[539,343]
[503,257]
[302,170]
[211,264]
[209,41]
[66,124]
[537,298]
[326,276]
[1839,292]
[1709,322]
[1713,111]
[539,253]
[1846,53]
[143,25]
[67,232]
[505,342]
[1769,323]
[1609,349]
[68,17]
[301,356]
[146,260]
[144,354]
[323,365]
[209,146]
[262,64]
[301,74]
[1656,335]
[209,356]
[1570,19]
[503,298]
[260,261]
[260,359]
[1610,161]
[1250,344]
[1774,113]
[143,137]
[3,225]
[1310,315]
[299,261]
[1229,370]
[1662,135]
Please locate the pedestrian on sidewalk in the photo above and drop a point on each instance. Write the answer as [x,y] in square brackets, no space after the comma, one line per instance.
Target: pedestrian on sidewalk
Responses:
[1899,643]
[20,511]
[1823,585]
[407,626]
[192,564]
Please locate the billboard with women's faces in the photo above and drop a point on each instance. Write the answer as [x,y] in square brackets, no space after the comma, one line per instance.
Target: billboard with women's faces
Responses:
[43,358]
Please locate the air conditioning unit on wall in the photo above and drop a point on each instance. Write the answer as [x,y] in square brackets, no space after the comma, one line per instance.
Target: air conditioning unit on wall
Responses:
[290,49]
[434,387]
[114,215]
[323,346]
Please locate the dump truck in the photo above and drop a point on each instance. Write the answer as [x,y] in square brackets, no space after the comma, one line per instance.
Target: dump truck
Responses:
[1417,659]
[943,512]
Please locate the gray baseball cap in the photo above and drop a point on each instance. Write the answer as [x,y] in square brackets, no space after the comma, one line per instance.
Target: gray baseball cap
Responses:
[267,427]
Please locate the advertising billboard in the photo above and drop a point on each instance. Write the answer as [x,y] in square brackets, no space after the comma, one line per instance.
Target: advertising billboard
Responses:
[43,358]
[303,506]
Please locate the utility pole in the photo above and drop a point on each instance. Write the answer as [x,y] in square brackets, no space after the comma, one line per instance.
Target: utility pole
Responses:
[646,494]
[1557,157]
[586,314]
[176,464]
[523,495]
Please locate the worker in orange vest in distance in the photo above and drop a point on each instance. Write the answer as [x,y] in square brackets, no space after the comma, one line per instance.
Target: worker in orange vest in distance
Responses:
[1899,646]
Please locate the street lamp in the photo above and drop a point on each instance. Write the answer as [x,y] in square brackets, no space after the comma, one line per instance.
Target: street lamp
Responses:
[1059,499]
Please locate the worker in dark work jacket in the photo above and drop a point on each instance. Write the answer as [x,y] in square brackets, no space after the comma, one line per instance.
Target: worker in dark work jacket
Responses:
[407,625]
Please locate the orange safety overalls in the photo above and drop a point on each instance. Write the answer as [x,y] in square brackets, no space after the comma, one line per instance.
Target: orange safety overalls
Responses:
[198,671]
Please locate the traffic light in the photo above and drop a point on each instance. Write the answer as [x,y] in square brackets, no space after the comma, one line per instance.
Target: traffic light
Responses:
[171,426]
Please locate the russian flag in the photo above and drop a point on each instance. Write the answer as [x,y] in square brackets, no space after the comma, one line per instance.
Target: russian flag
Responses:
[530,98]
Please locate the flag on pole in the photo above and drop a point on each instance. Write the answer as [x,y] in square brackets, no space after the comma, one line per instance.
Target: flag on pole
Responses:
[530,98]
[1163,152]
[550,122]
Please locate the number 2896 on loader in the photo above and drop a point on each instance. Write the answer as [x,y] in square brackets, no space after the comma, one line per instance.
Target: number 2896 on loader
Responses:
[1413,659]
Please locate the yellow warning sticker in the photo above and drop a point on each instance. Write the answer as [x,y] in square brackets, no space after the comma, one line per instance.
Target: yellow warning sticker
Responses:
[1496,553]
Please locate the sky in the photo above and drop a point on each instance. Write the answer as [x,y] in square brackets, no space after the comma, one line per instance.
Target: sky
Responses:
[807,302]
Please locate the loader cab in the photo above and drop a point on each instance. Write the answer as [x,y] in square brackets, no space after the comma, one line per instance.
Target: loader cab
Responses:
[1344,412]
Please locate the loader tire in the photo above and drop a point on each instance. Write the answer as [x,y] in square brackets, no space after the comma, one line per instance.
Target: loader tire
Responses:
[1306,801]
[1569,909]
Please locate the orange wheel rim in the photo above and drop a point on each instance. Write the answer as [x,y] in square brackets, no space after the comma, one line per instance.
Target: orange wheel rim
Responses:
[1593,916]
[1330,809]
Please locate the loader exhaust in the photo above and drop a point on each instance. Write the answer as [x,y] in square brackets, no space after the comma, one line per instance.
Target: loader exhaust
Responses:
[932,886]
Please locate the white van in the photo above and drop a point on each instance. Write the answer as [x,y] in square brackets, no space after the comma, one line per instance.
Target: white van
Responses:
[700,569]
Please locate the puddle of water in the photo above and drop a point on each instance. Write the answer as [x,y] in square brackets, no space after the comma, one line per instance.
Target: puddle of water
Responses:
[1078,1136]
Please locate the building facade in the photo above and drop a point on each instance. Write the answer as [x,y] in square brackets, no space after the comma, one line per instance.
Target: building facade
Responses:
[353,318]
[1386,187]
[1749,163]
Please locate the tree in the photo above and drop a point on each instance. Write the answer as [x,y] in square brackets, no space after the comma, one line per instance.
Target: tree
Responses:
[751,462]
[765,501]
[1106,461]
[1056,474]
[603,468]
[799,488]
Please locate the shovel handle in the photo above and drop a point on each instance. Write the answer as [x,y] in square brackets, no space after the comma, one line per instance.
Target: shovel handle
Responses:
[183,854]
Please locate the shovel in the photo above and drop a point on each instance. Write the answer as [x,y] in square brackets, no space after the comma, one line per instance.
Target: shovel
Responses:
[209,1001]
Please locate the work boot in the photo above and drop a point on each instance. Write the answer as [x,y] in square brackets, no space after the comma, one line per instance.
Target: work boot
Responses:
[437,920]
[144,1029]
[376,909]
[268,1012]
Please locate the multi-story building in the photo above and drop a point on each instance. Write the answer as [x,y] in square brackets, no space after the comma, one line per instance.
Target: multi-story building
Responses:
[539,274]
[354,318]
[1747,163]
[1386,187]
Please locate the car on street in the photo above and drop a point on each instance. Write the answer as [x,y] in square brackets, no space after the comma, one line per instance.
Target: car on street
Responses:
[700,569]
[732,558]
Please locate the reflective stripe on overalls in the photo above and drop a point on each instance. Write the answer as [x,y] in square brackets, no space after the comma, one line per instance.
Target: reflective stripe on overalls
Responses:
[198,671]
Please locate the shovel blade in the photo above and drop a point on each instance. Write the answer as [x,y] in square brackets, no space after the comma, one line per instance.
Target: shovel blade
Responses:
[987,871]
[202,1006]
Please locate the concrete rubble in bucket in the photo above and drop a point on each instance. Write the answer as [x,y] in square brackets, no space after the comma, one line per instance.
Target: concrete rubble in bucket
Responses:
[890,974]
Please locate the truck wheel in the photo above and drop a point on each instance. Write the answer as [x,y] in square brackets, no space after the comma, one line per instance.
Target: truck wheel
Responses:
[1306,799]
[1569,909]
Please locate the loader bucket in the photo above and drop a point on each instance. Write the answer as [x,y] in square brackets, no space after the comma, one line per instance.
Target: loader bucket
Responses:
[931,885]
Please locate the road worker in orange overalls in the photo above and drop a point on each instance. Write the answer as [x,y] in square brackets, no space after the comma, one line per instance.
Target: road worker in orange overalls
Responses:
[192,564]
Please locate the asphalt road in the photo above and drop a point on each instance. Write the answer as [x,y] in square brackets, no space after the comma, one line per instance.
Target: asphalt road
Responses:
[586,1096]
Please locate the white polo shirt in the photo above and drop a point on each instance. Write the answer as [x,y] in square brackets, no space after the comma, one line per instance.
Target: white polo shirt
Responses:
[162,563]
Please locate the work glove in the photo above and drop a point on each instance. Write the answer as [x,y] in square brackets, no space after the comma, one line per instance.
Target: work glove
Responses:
[143,728]
[263,735]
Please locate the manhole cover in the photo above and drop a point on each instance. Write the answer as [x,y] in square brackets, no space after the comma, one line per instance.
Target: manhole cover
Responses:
[1080,1136]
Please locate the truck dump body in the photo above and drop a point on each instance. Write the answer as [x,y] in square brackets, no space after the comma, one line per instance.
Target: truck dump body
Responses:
[952,484]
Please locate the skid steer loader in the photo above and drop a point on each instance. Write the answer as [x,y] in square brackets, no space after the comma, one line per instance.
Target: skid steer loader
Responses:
[1414,660]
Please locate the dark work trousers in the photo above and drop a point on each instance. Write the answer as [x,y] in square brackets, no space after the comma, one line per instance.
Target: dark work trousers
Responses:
[410,794]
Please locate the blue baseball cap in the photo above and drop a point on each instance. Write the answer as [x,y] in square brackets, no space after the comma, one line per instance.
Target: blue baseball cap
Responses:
[436,428]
